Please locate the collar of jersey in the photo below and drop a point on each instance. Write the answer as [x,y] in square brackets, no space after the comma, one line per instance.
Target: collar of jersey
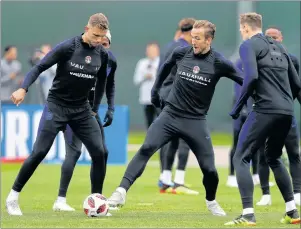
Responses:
[86,45]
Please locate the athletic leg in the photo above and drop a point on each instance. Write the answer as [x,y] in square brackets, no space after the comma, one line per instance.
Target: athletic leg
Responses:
[253,135]
[198,139]
[169,153]
[86,128]
[264,174]
[237,125]
[73,151]
[149,114]
[51,122]
[159,133]
[273,152]
[293,153]
[183,154]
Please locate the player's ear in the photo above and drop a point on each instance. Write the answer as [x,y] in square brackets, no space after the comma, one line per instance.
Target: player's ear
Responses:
[86,28]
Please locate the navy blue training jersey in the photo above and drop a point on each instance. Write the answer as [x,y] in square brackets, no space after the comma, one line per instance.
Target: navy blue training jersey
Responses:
[237,87]
[195,80]
[78,66]
[110,86]
[166,87]
[270,76]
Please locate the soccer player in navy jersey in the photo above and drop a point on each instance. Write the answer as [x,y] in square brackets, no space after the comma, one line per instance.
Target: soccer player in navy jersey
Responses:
[291,144]
[168,151]
[271,79]
[199,68]
[74,144]
[80,61]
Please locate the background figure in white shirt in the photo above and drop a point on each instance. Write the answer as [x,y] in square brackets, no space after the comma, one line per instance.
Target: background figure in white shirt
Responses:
[44,82]
[10,76]
[145,76]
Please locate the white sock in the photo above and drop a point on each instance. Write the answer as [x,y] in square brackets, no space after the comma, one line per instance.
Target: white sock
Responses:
[121,190]
[13,195]
[289,206]
[180,177]
[297,196]
[61,199]
[255,176]
[166,179]
[247,211]
[161,176]
[266,196]
[210,202]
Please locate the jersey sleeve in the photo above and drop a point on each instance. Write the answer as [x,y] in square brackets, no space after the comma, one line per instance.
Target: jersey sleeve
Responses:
[166,67]
[248,58]
[110,86]
[57,54]
[100,81]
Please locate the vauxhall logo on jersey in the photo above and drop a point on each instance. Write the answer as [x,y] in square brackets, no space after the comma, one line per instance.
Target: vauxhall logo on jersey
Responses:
[194,77]
[77,65]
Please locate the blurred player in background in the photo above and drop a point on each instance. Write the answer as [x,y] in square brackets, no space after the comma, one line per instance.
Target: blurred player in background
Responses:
[237,125]
[144,77]
[169,150]
[291,144]
[44,81]
[271,79]
[81,60]
[10,73]
[74,144]
[199,68]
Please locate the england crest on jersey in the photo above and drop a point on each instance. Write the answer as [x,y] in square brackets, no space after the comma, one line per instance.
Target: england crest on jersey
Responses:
[196,69]
[88,59]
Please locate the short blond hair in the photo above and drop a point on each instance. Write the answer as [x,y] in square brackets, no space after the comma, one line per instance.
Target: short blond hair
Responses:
[254,20]
[209,27]
[99,20]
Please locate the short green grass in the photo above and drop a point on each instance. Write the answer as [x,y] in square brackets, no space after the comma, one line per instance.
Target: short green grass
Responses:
[218,139]
[145,206]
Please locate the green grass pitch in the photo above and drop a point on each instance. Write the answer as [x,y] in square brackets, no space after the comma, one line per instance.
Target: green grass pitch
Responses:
[145,206]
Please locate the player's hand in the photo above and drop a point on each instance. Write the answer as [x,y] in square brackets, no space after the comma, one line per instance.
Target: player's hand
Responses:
[108,118]
[93,113]
[234,115]
[148,76]
[155,99]
[18,96]
[13,75]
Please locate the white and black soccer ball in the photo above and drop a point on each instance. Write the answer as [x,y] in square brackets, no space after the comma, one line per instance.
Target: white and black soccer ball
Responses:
[95,205]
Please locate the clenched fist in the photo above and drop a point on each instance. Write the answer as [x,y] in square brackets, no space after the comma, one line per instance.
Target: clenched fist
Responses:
[18,96]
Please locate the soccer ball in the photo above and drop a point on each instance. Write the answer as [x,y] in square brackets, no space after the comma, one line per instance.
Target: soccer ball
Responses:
[96,205]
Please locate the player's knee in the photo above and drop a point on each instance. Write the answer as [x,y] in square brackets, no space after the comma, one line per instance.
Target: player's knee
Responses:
[294,155]
[210,171]
[147,149]
[73,158]
[97,151]
[237,159]
[273,162]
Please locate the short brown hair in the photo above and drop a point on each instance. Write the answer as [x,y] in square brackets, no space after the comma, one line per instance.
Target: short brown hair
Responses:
[209,26]
[254,20]
[99,20]
[186,24]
